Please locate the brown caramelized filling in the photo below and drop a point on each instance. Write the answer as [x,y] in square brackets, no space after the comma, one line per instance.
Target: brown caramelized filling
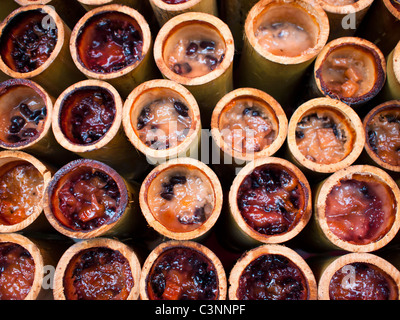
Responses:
[324,137]
[247,125]
[17,271]
[98,274]
[272,277]
[362,281]
[383,134]
[271,200]
[182,274]
[87,114]
[85,199]
[109,42]
[181,198]
[25,44]
[360,210]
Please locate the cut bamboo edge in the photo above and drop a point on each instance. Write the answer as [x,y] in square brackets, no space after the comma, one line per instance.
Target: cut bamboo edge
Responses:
[92,4]
[271,249]
[58,71]
[173,244]
[203,229]
[391,90]
[320,233]
[329,270]
[148,92]
[343,112]
[77,248]
[127,220]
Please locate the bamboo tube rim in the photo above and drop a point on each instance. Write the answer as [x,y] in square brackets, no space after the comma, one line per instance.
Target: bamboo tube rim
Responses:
[45,173]
[185,19]
[48,101]
[313,9]
[57,49]
[271,249]
[257,95]
[175,7]
[345,9]
[144,28]
[185,94]
[65,170]
[237,216]
[206,252]
[392,9]
[108,136]
[380,63]
[113,244]
[326,188]
[203,228]
[37,259]
[337,106]
[28,2]
[95,2]
[349,258]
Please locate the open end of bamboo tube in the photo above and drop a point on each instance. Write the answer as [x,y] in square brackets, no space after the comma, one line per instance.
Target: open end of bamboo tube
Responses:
[248,123]
[270,200]
[189,261]
[357,208]
[344,6]
[162,119]
[31,38]
[325,135]
[97,269]
[194,48]
[175,5]
[87,116]
[85,199]
[263,273]
[25,116]
[110,41]
[22,271]
[359,276]
[181,199]
[30,2]
[350,69]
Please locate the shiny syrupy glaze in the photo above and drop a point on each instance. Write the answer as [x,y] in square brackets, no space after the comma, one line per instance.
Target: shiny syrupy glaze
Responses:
[181,198]
[272,277]
[360,210]
[109,42]
[17,271]
[383,134]
[271,200]
[22,116]
[98,273]
[21,191]
[340,3]
[324,137]
[175,1]
[87,114]
[25,44]
[85,199]
[248,126]
[362,281]
[182,274]
[163,123]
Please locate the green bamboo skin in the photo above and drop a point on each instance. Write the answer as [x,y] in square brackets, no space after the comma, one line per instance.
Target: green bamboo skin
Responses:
[391,90]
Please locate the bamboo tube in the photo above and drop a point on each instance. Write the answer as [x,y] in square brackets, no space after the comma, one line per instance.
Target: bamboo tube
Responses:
[55,69]
[189,256]
[87,120]
[324,136]
[181,199]
[165,10]
[7,6]
[85,269]
[105,205]
[245,225]
[178,129]
[92,4]
[382,25]
[349,69]
[188,50]
[391,90]
[263,267]
[345,17]
[358,276]
[134,64]
[340,220]
[278,68]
